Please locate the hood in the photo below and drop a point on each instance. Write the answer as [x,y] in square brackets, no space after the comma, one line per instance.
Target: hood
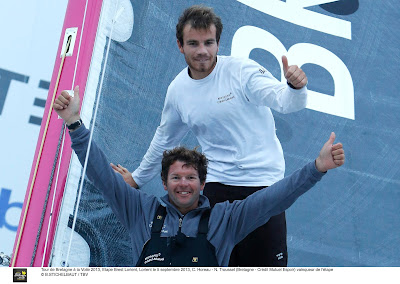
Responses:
[204,203]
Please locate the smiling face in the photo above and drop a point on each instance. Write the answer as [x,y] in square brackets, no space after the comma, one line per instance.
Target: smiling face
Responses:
[183,186]
[200,48]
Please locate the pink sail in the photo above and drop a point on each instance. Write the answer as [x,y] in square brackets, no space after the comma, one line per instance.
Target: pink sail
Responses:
[29,222]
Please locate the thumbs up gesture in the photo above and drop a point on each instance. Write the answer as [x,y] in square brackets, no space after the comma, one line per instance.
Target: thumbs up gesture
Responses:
[67,107]
[331,155]
[293,74]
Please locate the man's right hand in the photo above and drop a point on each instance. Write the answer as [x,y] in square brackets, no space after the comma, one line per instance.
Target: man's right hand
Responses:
[125,174]
[67,107]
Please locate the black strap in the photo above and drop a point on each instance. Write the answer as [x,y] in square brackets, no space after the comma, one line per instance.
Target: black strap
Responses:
[158,220]
[203,225]
[161,212]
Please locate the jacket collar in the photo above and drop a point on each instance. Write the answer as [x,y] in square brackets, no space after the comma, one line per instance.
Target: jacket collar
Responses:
[204,203]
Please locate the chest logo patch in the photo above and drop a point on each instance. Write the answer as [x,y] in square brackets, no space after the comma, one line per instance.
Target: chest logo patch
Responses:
[154,257]
[225,98]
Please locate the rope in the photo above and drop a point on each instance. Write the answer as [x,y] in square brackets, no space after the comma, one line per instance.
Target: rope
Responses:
[54,196]
[47,195]
[39,157]
[63,135]
[117,14]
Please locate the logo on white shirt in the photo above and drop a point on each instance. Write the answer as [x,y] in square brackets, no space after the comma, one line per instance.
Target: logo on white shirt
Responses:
[225,98]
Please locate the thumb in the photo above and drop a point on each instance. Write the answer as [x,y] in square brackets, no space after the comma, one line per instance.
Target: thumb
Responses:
[331,138]
[76,91]
[285,64]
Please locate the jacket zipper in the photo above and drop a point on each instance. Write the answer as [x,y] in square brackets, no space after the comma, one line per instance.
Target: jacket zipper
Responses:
[180,223]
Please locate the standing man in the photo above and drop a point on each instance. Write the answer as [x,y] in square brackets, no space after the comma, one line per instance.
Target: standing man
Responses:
[225,102]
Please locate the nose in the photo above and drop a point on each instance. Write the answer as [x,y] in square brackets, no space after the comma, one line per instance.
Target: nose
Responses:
[184,181]
[201,49]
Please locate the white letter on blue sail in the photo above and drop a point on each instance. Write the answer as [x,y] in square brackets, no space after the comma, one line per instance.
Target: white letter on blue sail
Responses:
[293,11]
[341,104]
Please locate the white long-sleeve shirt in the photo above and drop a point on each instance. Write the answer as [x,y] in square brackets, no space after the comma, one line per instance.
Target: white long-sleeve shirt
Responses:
[229,113]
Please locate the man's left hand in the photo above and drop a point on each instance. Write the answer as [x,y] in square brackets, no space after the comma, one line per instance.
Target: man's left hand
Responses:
[293,74]
[331,155]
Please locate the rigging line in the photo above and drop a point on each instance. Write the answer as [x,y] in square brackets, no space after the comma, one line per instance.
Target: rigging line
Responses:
[47,195]
[54,195]
[117,14]
[63,135]
[39,156]
[79,47]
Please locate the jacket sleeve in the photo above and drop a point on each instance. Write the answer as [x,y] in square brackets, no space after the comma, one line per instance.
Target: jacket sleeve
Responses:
[167,136]
[246,215]
[126,203]
[261,88]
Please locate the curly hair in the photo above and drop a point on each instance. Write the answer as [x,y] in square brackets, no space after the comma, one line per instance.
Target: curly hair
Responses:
[190,157]
[199,17]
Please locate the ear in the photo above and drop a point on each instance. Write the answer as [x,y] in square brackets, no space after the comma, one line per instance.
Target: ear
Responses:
[179,46]
[165,186]
[202,186]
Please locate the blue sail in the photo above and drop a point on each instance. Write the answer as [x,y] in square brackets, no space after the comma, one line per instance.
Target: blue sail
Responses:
[351,218]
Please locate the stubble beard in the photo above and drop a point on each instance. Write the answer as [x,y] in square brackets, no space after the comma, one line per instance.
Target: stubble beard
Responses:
[202,66]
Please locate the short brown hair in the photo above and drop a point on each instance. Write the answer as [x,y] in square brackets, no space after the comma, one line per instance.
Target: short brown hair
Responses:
[190,157]
[199,17]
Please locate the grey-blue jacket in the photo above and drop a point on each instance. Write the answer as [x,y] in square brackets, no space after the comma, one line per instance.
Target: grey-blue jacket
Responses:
[229,222]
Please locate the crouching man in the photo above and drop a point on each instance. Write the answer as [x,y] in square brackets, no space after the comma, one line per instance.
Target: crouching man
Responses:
[186,232]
